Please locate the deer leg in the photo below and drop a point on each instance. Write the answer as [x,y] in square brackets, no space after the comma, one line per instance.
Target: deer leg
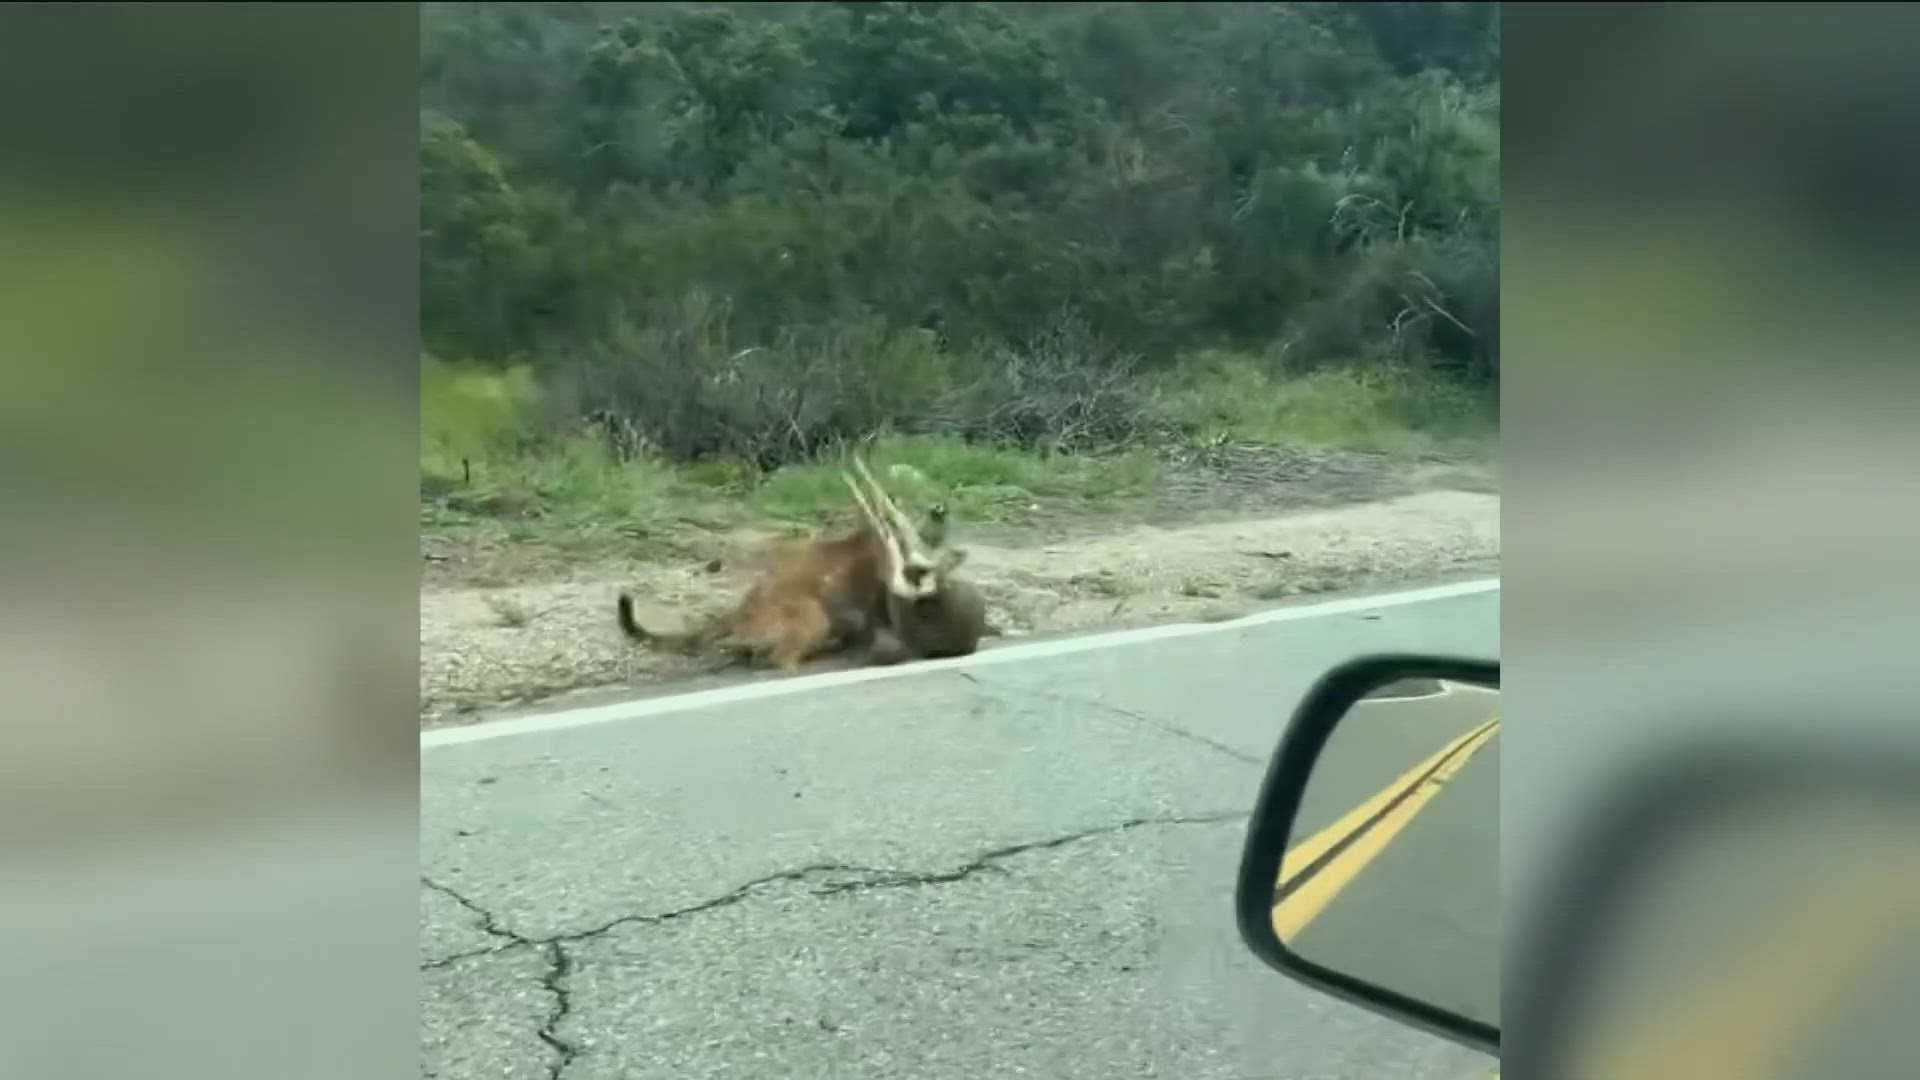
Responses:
[886,648]
[847,622]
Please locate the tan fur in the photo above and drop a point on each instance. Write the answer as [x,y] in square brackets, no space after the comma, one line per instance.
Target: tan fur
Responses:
[881,586]
[809,599]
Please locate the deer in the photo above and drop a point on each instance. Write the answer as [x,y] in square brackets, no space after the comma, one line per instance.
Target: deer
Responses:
[883,586]
[926,612]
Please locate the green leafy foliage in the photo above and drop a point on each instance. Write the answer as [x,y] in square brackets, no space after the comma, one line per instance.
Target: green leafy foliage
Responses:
[759,231]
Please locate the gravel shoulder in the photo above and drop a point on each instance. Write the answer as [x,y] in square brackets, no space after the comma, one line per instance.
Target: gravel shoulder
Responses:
[1226,534]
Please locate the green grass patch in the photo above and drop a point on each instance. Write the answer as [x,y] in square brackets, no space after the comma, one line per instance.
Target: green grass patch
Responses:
[724,476]
[977,482]
[1392,410]
[485,472]
[571,487]
[572,494]
[480,470]
[469,412]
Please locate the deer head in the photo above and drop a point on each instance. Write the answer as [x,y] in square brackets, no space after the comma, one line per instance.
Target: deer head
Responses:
[912,568]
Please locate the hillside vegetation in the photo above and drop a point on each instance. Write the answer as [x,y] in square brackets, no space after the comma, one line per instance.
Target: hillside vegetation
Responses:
[674,255]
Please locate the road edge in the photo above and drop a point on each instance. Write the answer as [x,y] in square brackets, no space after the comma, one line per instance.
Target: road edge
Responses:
[1065,646]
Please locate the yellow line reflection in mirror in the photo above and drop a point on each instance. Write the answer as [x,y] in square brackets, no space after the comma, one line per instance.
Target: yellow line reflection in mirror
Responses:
[1414,788]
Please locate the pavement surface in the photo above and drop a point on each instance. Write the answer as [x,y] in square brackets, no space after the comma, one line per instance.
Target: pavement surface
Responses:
[1017,864]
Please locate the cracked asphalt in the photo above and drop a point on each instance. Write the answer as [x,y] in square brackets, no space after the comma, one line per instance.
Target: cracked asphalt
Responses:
[1024,868]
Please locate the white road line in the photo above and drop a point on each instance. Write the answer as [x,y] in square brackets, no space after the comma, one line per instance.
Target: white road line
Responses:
[1447,689]
[770,688]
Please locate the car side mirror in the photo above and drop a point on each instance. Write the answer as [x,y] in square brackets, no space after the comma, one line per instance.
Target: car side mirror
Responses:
[1371,867]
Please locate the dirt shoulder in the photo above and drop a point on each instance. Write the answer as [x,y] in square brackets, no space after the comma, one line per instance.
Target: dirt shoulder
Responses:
[1228,532]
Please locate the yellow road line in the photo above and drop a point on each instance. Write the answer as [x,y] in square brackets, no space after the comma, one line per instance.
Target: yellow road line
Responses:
[1300,906]
[1304,853]
[1746,1014]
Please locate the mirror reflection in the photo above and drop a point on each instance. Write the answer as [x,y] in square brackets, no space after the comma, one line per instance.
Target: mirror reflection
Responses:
[1392,869]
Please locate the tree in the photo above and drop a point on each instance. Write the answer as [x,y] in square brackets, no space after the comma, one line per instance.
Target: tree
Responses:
[1285,176]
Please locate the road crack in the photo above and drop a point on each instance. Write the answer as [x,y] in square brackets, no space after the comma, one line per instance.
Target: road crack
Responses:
[870,877]
[865,878]
[553,980]
[1165,727]
[488,925]
[990,860]
[1177,731]
[559,966]
[852,878]
[725,899]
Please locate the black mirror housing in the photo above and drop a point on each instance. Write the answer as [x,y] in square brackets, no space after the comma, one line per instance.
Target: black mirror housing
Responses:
[1272,826]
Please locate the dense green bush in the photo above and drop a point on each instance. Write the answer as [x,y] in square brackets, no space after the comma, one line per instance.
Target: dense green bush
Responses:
[760,230]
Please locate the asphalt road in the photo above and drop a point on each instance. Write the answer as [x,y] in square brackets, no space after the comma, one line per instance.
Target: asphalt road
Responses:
[1017,864]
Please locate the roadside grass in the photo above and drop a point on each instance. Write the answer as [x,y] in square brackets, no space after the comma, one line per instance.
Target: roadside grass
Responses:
[572,493]
[976,482]
[484,476]
[1397,411]
[481,476]
[481,473]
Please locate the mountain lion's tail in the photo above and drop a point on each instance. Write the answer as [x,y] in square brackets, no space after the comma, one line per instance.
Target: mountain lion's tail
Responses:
[629,624]
[690,642]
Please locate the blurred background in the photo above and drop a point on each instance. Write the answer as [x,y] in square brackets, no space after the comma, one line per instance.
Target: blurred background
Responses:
[1711,498]
[208,780]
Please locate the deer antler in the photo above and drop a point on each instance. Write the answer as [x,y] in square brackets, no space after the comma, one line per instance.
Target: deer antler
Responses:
[866,508]
[902,525]
[860,499]
[889,544]
[910,573]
